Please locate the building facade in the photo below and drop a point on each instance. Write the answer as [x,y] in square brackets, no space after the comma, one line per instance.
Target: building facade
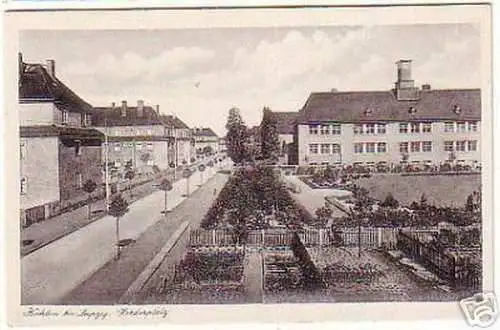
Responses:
[59,152]
[206,142]
[136,135]
[285,124]
[182,145]
[405,125]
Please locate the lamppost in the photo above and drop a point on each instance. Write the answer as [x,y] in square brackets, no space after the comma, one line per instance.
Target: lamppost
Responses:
[106,155]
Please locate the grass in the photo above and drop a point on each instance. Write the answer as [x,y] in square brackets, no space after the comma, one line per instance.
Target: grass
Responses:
[441,190]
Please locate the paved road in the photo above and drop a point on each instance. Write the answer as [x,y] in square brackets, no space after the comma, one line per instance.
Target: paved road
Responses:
[51,272]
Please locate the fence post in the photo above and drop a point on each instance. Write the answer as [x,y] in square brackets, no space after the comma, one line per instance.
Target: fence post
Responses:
[379,236]
[213,237]
[321,237]
[263,241]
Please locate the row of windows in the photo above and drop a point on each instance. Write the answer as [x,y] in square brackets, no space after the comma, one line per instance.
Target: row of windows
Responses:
[118,146]
[404,128]
[315,148]
[460,145]
[424,127]
[85,118]
[461,127]
[370,147]
[325,129]
[404,147]
[371,128]
[415,146]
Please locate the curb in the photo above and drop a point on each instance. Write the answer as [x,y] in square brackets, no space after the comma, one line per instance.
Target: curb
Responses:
[147,273]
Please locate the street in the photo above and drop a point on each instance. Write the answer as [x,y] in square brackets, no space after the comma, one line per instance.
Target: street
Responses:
[51,272]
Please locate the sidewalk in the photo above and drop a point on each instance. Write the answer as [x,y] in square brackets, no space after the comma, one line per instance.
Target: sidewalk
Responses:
[109,283]
[45,232]
[51,272]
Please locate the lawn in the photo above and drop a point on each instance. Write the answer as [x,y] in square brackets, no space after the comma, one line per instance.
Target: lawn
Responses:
[441,190]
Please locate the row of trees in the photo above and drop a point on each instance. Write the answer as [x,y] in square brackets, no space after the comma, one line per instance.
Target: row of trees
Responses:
[248,198]
[239,140]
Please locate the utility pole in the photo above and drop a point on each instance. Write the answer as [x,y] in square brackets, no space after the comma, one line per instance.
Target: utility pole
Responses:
[106,155]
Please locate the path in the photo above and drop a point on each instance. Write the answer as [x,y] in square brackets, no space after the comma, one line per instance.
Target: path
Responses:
[252,277]
[110,282]
[49,273]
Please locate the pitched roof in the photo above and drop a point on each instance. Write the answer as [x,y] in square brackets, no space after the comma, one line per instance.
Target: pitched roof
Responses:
[108,116]
[174,121]
[35,83]
[352,106]
[63,131]
[206,131]
[285,121]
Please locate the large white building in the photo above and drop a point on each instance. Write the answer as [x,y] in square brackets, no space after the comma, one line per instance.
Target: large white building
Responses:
[405,125]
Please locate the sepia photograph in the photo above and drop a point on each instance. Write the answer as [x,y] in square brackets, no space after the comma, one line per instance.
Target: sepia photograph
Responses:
[266,164]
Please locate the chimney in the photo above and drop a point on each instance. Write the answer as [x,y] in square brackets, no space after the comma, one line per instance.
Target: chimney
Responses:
[140,108]
[404,86]
[124,108]
[333,90]
[157,109]
[51,68]
[426,87]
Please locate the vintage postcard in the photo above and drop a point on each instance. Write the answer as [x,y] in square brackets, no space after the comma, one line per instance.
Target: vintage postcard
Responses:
[249,165]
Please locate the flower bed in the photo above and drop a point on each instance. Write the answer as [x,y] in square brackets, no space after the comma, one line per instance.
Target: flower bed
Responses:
[281,272]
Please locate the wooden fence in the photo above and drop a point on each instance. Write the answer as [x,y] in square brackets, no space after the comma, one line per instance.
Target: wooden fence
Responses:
[460,267]
[369,237]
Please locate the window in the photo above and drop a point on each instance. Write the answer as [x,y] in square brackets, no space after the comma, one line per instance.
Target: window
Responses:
[415,127]
[415,146]
[427,146]
[117,146]
[472,145]
[22,147]
[461,127]
[381,129]
[370,128]
[358,148]
[403,147]
[78,148]
[24,186]
[150,162]
[313,129]
[473,126]
[86,119]
[370,147]
[381,147]
[460,145]
[149,146]
[448,145]
[426,127]
[403,128]
[64,117]
[449,127]
[325,129]
[336,148]
[358,129]
[336,129]
[313,148]
[117,163]
[325,148]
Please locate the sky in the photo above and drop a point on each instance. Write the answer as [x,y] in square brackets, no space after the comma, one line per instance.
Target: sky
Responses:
[199,74]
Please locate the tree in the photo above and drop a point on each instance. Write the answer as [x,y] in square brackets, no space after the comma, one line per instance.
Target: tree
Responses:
[118,208]
[323,214]
[236,136]
[89,186]
[166,186]
[145,157]
[130,175]
[270,145]
[359,212]
[390,201]
[469,204]
[207,150]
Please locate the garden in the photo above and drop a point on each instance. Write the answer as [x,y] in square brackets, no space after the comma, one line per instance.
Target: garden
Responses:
[208,275]
[254,198]
[281,272]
